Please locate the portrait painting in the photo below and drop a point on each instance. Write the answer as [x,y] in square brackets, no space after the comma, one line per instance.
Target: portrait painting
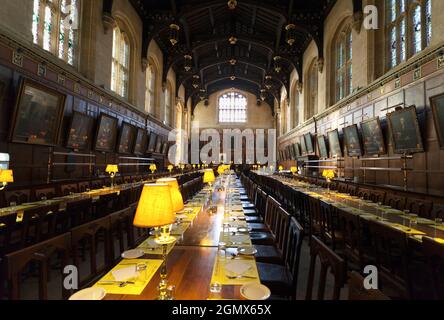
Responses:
[405,132]
[106,137]
[309,143]
[334,143]
[159,144]
[373,138]
[352,141]
[152,142]
[80,131]
[303,146]
[437,104]
[165,148]
[322,145]
[38,115]
[141,142]
[126,139]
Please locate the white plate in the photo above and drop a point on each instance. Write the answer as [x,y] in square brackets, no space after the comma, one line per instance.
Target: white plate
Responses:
[94,293]
[133,254]
[255,291]
[247,251]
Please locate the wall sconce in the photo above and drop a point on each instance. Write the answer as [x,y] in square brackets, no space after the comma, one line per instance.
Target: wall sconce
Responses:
[174,34]
[202,93]
[188,65]
[232,40]
[6,176]
[196,81]
[291,33]
[277,64]
[232,4]
[263,95]
[267,82]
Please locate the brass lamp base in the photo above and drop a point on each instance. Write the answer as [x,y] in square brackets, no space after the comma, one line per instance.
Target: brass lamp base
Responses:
[164,240]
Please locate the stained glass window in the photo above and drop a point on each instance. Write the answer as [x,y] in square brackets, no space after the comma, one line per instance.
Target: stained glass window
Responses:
[150,89]
[409,28]
[232,108]
[55,27]
[344,66]
[120,63]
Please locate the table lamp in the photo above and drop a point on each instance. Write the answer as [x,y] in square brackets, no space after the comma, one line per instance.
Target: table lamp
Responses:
[281,168]
[209,178]
[328,175]
[112,169]
[294,170]
[155,210]
[6,176]
[170,168]
[176,196]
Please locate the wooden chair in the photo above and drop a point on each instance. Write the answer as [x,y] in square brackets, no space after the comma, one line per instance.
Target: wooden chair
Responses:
[434,254]
[391,254]
[364,193]
[357,291]
[275,253]
[67,189]
[97,184]
[41,253]
[437,211]
[44,193]
[377,196]
[106,205]
[39,223]
[350,241]
[84,186]
[316,220]
[329,261]
[122,223]
[423,208]
[283,279]
[342,187]
[395,201]
[352,190]
[87,235]
[18,197]
[76,213]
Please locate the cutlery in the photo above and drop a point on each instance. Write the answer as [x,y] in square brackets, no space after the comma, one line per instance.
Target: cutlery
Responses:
[241,277]
[120,284]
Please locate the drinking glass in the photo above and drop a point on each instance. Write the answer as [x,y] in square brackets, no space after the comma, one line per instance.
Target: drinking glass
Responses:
[215,287]
[413,220]
[13,204]
[222,247]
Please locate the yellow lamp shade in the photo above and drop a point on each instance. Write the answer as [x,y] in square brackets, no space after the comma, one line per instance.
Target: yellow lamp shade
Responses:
[112,168]
[294,169]
[209,176]
[6,176]
[153,167]
[176,196]
[329,174]
[155,207]
[170,168]
[281,168]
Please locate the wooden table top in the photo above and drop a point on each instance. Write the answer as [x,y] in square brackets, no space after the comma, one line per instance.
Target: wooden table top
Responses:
[190,263]
[63,201]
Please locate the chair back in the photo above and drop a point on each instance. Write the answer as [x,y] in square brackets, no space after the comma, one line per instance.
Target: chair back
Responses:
[357,291]
[329,261]
[434,254]
[295,238]
[395,201]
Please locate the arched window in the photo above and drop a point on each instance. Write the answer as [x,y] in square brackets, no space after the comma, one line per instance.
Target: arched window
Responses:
[55,27]
[168,105]
[344,66]
[120,63]
[409,28]
[150,89]
[312,91]
[232,108]
[295,105]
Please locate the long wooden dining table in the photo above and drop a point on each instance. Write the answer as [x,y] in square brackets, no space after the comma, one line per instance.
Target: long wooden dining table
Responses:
[191,262]
[415,227]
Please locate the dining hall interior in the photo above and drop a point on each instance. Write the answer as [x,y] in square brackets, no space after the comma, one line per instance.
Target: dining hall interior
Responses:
[114,184]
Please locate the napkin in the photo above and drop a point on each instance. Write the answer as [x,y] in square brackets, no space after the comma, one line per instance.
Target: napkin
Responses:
[238,267]
[125,273]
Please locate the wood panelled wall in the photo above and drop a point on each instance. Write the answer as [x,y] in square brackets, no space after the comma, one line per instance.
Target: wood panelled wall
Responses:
[32,164]
[427,175]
